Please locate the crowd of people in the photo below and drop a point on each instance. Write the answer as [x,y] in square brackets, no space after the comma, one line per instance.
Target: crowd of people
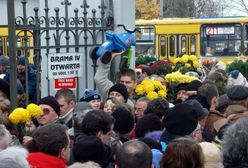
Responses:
[202,127]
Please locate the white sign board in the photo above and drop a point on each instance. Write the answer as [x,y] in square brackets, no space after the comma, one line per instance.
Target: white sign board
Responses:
[219,30]
[64,65]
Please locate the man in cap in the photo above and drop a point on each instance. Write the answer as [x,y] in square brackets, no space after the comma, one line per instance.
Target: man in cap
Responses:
[180,121]
[21,76]
[181,94]
[51,110]
[127,78]
[238,103]
[119,91]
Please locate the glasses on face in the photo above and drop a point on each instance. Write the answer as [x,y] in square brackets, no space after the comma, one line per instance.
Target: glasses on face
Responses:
[46,111]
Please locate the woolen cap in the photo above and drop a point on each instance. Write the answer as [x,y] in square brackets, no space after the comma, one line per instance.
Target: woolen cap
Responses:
[90,94]
[21,60]
[181,119]
[120,88]
[90,148]
[201,111]
[180,86]
[237,92]
[51,101]
[124,120]
[4,60]
[193,86]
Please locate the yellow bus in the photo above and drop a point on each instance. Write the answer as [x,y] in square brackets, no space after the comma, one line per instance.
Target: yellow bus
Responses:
[20,42]
[210,38]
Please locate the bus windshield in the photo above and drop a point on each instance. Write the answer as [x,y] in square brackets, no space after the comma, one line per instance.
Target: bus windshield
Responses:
[220,40]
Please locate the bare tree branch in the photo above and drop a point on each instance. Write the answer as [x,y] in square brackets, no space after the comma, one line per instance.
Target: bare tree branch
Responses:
[243,4]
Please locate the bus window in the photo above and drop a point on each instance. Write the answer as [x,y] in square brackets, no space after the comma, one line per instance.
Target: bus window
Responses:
[1,46]
[144,39]
[192,45]
[172,46]
[183,44]
[224,40]
[246,39]
[162,46]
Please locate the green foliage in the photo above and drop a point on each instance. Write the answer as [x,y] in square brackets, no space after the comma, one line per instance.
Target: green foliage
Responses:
[239,65]
[145,59]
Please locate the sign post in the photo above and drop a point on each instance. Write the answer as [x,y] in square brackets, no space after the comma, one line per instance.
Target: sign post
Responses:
[64,65]
[65,83]
[64,68]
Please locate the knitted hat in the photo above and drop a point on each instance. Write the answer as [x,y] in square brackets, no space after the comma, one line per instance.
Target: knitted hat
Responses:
[120,88]
[4,60]
[90,94]
[237,93]
[236,78]
[181,119]
[146,124]
[21,60]
[193,86]
[51,101]
[180,86]
[90,148]
[212,155]
[124,120]
[201,111]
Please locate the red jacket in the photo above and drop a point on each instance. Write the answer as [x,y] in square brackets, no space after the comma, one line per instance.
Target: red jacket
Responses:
[42,160]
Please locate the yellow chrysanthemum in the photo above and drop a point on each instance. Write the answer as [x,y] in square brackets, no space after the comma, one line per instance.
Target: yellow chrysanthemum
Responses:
[139,89]
[177,77]
[34,110]
[19,115]
[196,64]
[148,86]
[184,58]
[176,60]
[25,116]
[152,95]
[157,84]
[192,58]
[162,93]
[151,88]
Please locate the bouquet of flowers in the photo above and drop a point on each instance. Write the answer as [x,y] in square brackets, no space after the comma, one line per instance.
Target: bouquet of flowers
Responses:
[208,64]
[151,89]
[20,116]
[186,63]
[178,77]
[162,67]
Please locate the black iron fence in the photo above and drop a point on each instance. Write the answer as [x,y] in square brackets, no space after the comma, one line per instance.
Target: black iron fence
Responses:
[59,30]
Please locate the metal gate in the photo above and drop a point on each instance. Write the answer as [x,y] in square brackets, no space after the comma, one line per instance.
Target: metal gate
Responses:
[49,31]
